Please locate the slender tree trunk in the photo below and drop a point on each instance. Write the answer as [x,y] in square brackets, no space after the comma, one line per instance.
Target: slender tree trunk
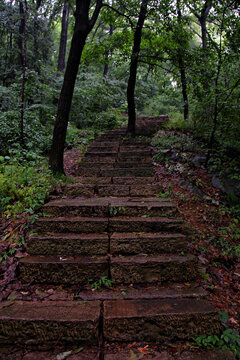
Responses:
[133,68]
[181,63]
[21,32]
[106,65]
[81,30]
[184,87]
[23,28]
[63,37]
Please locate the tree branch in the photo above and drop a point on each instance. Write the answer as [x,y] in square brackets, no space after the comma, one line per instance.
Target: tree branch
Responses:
[98,7]
[120,14]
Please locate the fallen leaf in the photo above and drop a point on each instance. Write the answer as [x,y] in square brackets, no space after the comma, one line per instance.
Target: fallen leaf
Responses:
[63,355]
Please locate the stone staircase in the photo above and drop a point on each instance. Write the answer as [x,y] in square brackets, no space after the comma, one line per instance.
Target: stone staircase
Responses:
[111,225]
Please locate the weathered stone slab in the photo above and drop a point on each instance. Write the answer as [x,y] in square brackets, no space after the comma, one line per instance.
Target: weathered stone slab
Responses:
[139,153]
[90,159]
[94,164]
[53,270]
[100,147]
[78,207]
[149,269]
[136,354]
[72,225]
[132,164]
[158,320]
[133,180]
[95,154]
[87,171]
[156,243]
[139,224]
[143,207]
[113,190]
[138,171]
[145,190]
[93,180]
[79,190]
[35,323]
[144,291]
[65,244]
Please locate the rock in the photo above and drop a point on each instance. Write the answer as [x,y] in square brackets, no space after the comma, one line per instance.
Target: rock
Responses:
[216,182]
[199,160]
[229,186]
[194,189]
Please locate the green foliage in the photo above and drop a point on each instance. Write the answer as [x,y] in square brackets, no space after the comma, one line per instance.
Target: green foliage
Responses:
[103,281]
[23,187]
[116,210]
[229,339]
[93,101]
[228,240]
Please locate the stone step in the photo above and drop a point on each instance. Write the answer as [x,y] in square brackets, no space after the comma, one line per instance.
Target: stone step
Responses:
[65,244]
[153,269]
[114,160]
[76,190]
[107,165]
[61,270]
[133,148]
[49,322]
[127,180]
[72,225]
[139,153]
[146,224]
[147,243]
[88,190]
[96,164]
[100,142]
[158,320]
[134,172]
[87,171]
[107,206]
[92,180]
[90,160]
[128,190]
[142,291]
[132,164]
[113,190]
[101,148]
[112,154]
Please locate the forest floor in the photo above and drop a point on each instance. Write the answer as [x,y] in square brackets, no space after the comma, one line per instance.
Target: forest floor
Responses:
[220,272]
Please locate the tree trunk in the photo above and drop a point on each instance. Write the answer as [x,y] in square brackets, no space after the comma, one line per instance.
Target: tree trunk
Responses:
[81,30]
[184,86]
[63,37]
[23,48]
[106,65]
[21,32]
[181,64]
[133,68]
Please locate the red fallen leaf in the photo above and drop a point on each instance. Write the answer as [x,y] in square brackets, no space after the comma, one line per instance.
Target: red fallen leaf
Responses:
[233,321]
[144,350]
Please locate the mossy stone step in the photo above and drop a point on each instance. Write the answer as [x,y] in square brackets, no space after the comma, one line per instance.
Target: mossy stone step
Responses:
[142,291]
[134,172]
[65,244]
[72,225]
[147,243]
[49,322]
[129,180]
[152,269]
[144,224]
[62,270]
[108,206]
[158,320]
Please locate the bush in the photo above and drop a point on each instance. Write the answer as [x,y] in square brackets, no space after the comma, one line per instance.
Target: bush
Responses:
[23,187]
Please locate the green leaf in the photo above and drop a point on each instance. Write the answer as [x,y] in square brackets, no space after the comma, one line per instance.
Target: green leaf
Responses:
[223,316]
